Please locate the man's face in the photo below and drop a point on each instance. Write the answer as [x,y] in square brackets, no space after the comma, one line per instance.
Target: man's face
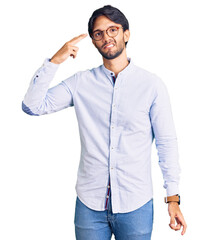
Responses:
[110,47]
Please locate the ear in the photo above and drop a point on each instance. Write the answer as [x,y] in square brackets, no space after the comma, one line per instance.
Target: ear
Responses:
[126,35]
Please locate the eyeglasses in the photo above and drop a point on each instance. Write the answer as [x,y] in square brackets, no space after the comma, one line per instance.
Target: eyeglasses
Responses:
[111,31]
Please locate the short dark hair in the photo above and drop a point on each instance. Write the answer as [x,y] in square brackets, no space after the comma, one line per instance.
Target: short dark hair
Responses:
[114,14]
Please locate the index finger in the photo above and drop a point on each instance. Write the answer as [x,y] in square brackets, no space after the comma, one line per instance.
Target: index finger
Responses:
[78,38]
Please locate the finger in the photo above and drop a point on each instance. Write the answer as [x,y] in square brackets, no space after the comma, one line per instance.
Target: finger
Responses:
[70,47]
[178,226]
[172,222]
[74,54]
[183,223]
[78,38]
[184,229]
[75,48]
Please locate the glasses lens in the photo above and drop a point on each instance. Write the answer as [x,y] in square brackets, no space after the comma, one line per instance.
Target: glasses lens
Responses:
[97,35]
[112,31]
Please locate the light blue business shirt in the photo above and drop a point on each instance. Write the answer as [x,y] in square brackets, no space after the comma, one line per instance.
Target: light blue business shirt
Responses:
[117,125]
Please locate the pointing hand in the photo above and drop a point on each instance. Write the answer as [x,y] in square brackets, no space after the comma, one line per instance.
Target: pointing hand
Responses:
[68,49]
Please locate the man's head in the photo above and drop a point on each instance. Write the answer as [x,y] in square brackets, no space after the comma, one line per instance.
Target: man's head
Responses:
[109,30]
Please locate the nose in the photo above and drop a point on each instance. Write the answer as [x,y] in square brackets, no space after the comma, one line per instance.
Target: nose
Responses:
[105,36]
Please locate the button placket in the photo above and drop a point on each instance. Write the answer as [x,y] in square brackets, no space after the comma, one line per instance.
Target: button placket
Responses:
[112,124]
[113,141]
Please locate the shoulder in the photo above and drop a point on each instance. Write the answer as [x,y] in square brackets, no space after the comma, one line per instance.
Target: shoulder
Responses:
[148,78]
[146,74]
[88,72]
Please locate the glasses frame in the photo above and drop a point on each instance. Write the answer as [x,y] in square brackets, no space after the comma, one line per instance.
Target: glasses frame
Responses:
[106,32]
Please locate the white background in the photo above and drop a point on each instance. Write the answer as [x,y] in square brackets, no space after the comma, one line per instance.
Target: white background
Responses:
[40,155]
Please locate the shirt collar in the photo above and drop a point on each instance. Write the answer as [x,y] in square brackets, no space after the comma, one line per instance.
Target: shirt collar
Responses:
[125,71]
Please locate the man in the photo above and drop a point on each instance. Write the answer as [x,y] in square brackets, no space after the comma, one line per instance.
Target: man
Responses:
[120,109]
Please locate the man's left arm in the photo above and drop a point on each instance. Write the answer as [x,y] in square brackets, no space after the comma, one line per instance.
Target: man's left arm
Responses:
[167,148]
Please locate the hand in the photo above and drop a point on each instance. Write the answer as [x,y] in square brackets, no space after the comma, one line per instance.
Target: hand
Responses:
[175,214]
[68,49]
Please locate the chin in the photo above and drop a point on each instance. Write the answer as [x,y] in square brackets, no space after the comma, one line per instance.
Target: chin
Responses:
[111,56]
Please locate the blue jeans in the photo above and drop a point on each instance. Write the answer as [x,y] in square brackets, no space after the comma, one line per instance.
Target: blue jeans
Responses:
[100,225]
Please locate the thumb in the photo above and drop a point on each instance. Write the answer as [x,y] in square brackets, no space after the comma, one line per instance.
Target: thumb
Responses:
[172,222]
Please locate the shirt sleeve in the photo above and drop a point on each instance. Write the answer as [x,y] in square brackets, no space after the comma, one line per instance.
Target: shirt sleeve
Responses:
[39,99]
[165,138]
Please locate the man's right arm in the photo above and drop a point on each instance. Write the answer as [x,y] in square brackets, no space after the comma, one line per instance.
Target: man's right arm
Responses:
[39,99]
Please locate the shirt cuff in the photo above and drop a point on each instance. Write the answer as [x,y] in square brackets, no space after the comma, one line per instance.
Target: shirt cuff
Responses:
[172,189]
[50,64]
[49,67]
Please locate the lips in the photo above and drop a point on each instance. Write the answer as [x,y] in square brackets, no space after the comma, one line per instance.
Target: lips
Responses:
[109,45]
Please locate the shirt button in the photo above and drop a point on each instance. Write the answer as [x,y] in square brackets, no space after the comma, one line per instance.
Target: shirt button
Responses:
[112,126]
[112,168]
[108,186]
[114,105]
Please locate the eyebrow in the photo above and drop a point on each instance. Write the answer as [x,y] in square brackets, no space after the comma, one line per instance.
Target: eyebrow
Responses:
[103,30]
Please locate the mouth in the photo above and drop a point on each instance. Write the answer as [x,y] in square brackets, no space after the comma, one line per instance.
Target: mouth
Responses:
[109,45]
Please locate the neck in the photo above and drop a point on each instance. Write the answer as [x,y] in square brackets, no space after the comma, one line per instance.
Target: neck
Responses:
[116,65]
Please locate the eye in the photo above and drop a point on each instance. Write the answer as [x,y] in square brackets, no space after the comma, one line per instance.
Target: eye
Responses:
[97,34]
[113,29]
